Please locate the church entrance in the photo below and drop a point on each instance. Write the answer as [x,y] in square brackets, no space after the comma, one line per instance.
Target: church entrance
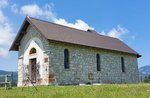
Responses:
[33,70]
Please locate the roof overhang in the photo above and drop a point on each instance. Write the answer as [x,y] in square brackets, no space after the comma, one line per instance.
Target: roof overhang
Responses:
[20,34]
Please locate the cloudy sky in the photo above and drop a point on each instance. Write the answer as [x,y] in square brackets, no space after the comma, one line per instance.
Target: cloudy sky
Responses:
[128,20]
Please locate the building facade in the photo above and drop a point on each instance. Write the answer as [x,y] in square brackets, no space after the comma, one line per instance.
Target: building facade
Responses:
[44,61]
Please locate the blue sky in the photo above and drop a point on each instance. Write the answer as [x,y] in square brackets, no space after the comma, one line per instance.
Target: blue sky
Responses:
[128,20]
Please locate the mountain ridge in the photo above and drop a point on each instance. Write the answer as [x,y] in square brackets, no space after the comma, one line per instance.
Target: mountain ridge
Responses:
[144,70]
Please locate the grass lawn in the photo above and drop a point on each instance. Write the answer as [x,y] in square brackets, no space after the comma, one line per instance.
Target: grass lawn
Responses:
[88,91]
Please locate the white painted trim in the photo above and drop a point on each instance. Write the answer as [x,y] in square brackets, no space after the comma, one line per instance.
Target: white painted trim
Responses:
[37,44]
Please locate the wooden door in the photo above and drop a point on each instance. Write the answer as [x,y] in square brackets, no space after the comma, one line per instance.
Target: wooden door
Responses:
[33,70]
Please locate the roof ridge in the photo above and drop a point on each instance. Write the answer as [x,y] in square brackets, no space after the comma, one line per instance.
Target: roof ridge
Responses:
[72,28]
[61,25]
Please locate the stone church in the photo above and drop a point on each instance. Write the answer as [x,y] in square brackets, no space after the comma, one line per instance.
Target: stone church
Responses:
[54,54]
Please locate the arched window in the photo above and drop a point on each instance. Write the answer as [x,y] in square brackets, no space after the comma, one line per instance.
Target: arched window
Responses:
[32,51]
[98,62]
[122,64]
[66,59]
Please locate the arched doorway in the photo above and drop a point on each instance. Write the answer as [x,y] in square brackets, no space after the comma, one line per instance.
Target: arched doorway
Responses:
[33,65]
[37,61]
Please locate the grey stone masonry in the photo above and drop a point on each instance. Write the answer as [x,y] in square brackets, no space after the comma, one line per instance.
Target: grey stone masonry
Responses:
[82,62]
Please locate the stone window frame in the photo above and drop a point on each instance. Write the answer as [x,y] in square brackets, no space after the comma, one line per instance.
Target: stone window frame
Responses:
[66,59]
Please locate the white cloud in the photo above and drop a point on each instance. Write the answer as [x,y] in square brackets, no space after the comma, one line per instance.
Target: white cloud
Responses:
[46,11]
[3,52]
[6,34]
[6,38]
[79,24]
[14,8]
[117,32]
[32,10]
[3,3]
[6,31]
[35,11]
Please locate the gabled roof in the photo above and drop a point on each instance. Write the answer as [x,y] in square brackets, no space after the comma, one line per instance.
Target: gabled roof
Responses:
[55,32]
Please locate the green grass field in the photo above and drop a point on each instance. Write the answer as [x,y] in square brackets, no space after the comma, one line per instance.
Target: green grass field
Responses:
[88,91]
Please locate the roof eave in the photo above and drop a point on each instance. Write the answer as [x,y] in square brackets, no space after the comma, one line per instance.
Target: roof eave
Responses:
[138,55]
[27,21]
[15,44]
[135,54]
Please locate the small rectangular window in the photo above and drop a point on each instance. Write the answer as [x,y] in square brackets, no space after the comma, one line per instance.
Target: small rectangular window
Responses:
[98,62]
[122,64]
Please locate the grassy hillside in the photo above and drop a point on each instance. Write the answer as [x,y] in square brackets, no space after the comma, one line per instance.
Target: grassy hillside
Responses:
[99,91]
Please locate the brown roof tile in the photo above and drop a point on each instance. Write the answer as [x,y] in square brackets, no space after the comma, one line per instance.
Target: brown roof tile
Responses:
[61,33]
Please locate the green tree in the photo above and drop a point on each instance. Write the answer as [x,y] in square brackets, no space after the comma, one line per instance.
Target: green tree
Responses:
[147,79]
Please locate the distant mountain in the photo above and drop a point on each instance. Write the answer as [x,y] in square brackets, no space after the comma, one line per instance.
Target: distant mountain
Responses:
[13,73]
[145,70]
